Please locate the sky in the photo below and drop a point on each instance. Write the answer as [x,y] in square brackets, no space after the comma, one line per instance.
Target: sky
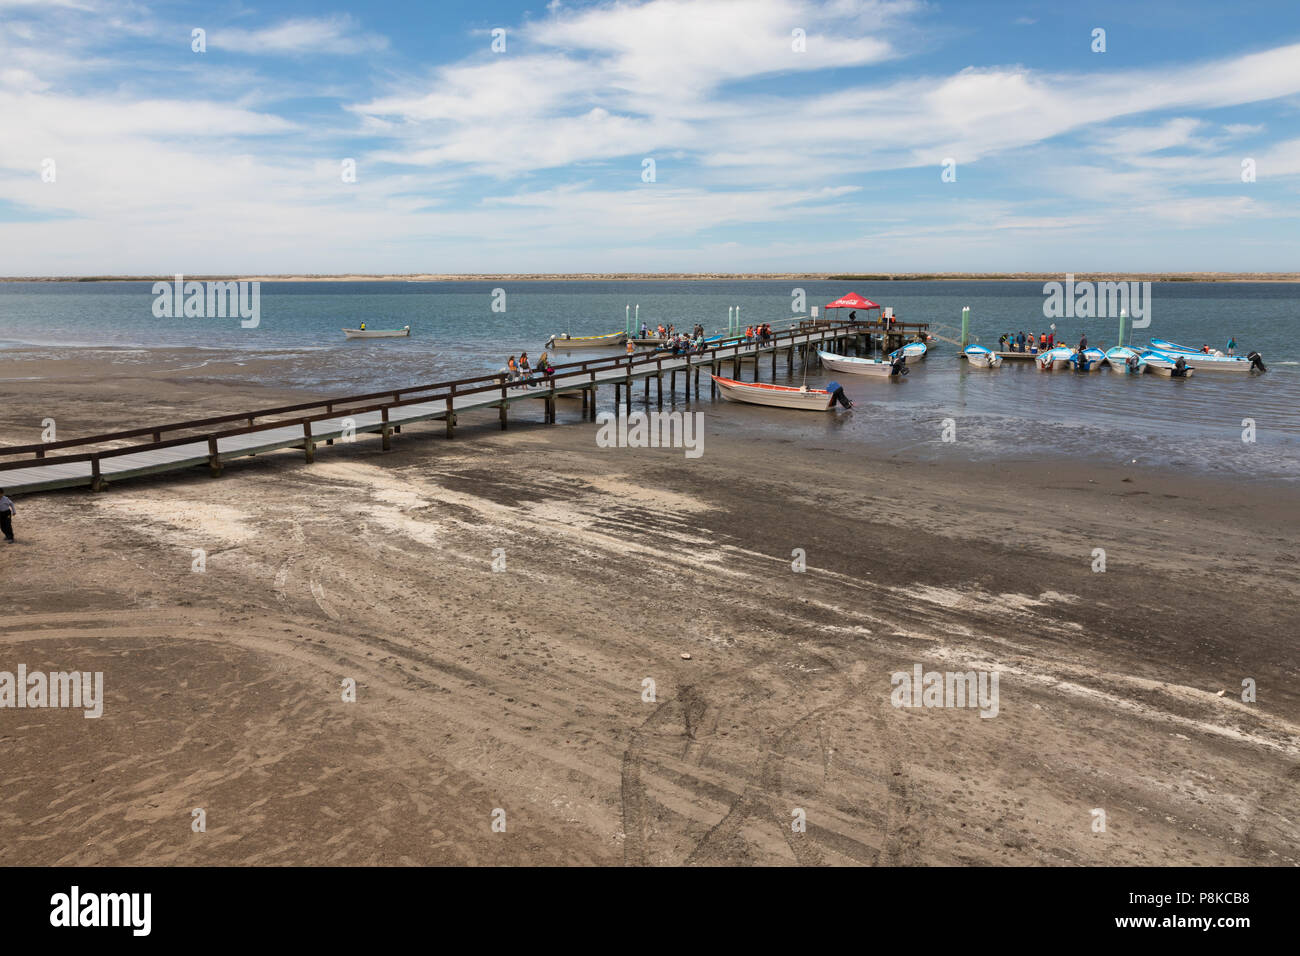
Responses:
[651,136]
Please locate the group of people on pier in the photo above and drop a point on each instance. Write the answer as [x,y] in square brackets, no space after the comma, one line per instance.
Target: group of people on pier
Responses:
[520,371]
[1034,342]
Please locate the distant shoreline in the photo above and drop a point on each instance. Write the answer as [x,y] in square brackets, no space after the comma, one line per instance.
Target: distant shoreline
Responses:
[719,276]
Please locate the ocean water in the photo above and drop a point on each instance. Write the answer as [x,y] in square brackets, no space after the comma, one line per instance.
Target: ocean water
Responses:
[1011,412]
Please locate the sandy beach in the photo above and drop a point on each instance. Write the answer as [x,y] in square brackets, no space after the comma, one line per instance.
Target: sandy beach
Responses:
[523,689]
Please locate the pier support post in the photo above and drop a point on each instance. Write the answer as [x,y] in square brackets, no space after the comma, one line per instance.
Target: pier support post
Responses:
[659,388]
[647,390]
[214,460]
[308,446]
[96,479]
[451,417]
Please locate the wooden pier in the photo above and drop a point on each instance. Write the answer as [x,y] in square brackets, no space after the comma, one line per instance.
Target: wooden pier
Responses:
[96,460]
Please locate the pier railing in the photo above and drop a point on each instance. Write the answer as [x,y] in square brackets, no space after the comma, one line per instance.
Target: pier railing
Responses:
[569,375]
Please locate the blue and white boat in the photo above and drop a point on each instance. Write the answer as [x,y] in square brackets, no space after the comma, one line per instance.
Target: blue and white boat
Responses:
[1125,360]
[1054,358]
[912,351]
[980,357]
[1089,361]
[1166,363]
[1209,362]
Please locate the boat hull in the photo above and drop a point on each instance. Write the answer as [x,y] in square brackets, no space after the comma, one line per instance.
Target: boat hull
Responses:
[775,396]
[587,341]
[980,357]
[378,333]
[912,351]
[872,368]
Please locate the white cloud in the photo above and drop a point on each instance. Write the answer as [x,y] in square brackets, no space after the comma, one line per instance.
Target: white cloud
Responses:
[334,35]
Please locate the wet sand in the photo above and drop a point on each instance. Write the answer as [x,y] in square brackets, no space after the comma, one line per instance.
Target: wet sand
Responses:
[523,689]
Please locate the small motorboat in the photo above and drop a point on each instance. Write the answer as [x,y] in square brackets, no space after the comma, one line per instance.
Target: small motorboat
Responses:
[1166,364]
[980,357]
[912,351]
[876,368]
[1210,361]
[566,341]
[1089,361]
[782,396]
[402,333]
[1053,359]
[1125,360]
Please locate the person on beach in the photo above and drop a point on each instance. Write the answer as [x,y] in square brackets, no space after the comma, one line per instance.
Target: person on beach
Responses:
[6,517]
[363,326]
[544,366]
[631,349]
[644,329]
[1020,342]
[525,369]
[1051,340]
[512,370]
[1042,342]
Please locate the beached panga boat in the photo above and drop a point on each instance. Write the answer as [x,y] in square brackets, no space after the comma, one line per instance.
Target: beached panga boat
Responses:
[1125,360]
[1090,361]
[1165,364]
[912,351]
[1211,362]
[403,332]
[566,341]
[1054,358]
[780,396]
[980,357]
[876,368]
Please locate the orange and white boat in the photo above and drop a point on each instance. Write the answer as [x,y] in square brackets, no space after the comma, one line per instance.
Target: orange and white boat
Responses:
[779,396]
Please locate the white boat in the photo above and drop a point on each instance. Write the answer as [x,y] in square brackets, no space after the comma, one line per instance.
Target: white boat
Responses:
[1089,361]
[980,357]
[912,351]
[403,332]
[1165,364]
[876,368]
[779,396]
[1125,360]
[566,341]
[1054,359]
[1209,362]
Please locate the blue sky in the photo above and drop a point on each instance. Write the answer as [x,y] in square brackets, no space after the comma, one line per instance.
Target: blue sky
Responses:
[766,158]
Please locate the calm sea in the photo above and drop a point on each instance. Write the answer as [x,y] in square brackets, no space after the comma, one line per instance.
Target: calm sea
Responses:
[1012,412]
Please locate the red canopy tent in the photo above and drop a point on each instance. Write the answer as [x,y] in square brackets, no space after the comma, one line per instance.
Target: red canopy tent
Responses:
[852,301]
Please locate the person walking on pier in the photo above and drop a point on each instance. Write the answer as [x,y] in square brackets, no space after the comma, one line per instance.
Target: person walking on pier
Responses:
[6,517]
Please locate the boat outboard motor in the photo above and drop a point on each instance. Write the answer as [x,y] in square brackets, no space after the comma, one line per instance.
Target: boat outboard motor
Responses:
[899,366]
[837,395]
[1180,368]
[1257,361]
[1132,362]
